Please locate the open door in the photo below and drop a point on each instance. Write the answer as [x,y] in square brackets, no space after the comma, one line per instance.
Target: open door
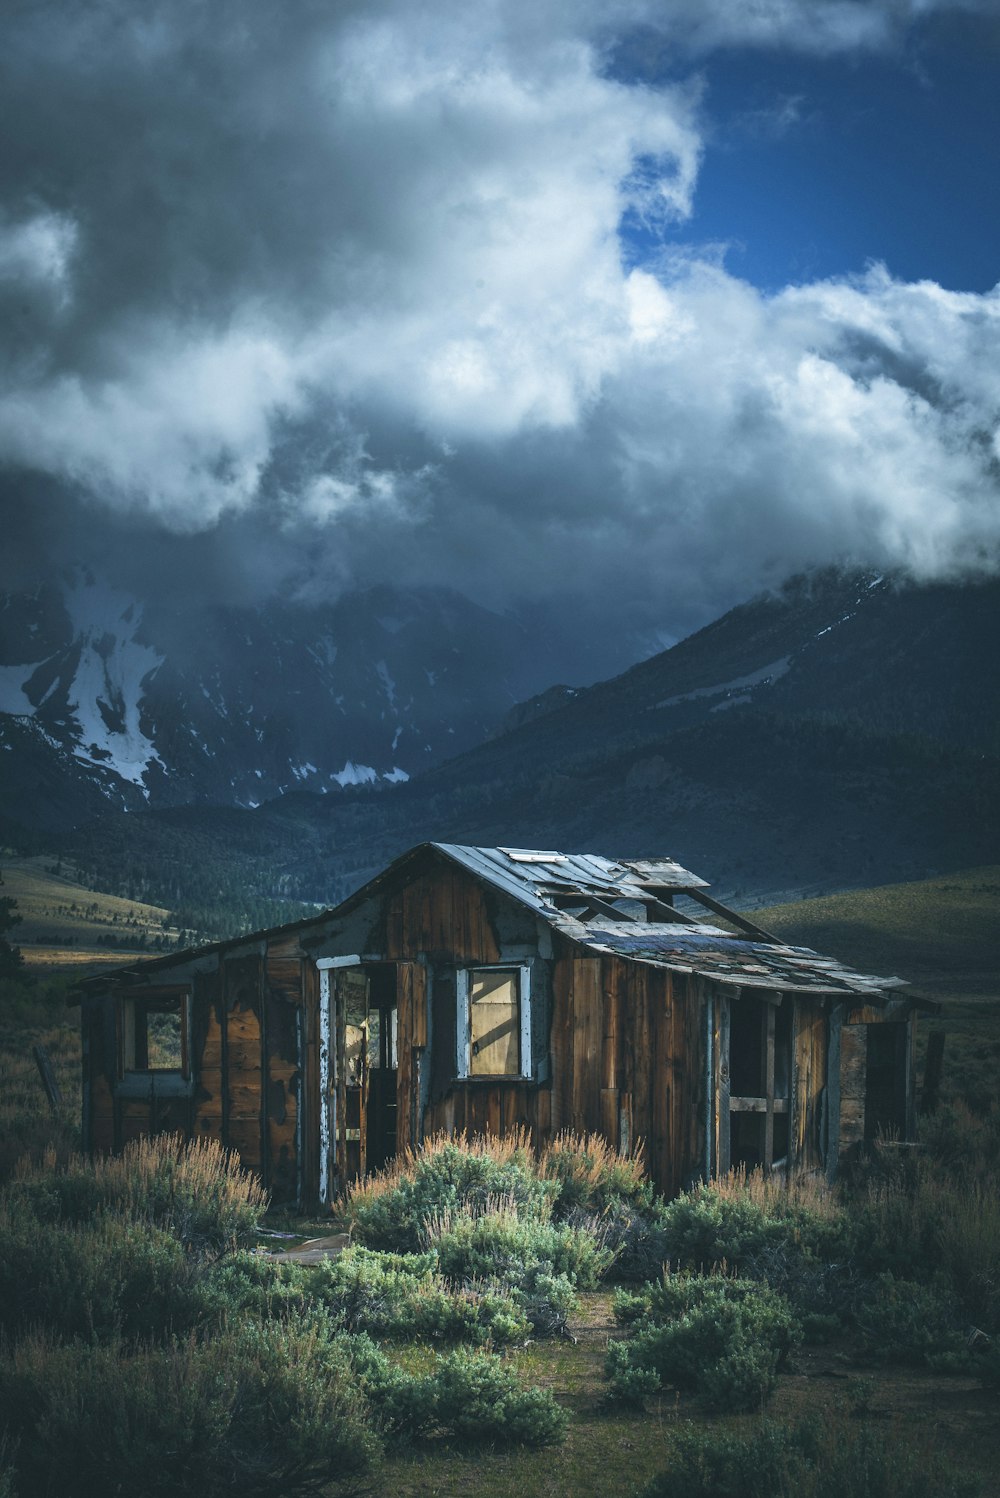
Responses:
[364,1115]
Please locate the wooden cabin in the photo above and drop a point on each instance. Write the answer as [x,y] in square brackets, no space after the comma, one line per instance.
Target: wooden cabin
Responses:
[484,989]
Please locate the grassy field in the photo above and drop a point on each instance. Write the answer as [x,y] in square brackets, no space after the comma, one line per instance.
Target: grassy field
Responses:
[611,1449]
[943,936]
[65,925]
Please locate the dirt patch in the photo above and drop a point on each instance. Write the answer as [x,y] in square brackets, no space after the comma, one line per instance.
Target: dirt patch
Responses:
[314,1250]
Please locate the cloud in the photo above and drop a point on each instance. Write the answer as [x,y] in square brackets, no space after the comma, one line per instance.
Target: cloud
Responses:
[345,284]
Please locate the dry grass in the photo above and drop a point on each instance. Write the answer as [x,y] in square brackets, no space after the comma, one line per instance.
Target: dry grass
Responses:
[775,1193]
[587,1165]
[516,1146]
[27,1125]
[195,1168]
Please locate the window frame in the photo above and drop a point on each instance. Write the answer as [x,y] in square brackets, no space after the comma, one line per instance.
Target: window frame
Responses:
[463,1026]
[162,1079]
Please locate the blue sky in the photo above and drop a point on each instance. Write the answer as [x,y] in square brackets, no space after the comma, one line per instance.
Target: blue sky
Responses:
[815,165]
[613,307]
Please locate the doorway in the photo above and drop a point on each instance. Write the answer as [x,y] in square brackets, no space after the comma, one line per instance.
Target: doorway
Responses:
[756,1061]
[366,1016]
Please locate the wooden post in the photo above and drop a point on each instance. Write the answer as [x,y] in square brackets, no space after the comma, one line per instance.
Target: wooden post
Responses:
[769,1087]
[48,1076]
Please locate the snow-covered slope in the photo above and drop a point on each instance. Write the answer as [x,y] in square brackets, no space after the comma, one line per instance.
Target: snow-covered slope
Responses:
[235,706]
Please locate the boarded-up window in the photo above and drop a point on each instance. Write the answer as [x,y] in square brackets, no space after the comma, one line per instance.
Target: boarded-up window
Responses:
[494,1022]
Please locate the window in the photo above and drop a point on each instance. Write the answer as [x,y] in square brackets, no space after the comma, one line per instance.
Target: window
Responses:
[494,1022]
[154,1031]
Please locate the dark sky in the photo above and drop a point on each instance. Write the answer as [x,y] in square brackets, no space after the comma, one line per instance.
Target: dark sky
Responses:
[632,308]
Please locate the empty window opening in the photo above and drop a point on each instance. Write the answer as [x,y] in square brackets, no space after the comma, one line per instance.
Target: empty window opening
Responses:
[154,1032]
[885,1082]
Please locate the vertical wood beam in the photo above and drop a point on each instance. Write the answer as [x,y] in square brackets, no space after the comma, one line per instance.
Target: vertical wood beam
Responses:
[769,1086]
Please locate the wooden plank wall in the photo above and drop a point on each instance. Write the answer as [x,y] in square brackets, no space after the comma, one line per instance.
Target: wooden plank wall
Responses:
[809,1044]
[628,1058]
[442,913]
[102,1064]
[283,973]
[853,1082]
[208,1059]
[411,1039]
[243,1053]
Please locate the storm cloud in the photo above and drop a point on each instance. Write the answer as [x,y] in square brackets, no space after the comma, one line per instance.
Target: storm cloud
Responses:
[327,294]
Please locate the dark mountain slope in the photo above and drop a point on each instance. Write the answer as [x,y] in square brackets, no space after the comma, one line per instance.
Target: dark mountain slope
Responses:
[841,732]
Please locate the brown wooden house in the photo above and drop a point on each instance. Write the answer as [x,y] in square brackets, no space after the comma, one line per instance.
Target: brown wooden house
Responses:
[483,989]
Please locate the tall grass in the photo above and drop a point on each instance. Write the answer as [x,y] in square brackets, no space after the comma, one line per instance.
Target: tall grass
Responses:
[195,1189]
[27,1124]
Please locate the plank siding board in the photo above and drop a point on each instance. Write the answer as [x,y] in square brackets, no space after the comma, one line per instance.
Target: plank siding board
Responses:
[662,1137]
[586,1021]
[411,1021]
[309,1100]
[722,1095]
[810,1080]
[245,1112]
[283,985]
[853,1082]
[642,1060]
[102,1115]
[561,1045]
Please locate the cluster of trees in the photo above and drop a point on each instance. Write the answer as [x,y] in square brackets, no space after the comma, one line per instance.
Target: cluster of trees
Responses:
[11,961]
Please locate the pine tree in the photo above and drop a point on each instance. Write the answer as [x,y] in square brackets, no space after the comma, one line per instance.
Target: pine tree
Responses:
[11,961]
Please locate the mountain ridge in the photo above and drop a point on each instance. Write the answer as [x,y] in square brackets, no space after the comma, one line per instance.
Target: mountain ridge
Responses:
[839,732]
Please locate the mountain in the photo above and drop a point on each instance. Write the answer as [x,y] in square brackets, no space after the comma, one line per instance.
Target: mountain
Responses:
[107,702]
[842,731]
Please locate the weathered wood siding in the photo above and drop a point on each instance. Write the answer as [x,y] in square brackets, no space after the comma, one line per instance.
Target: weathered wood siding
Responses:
[853,1081]
[810,1034]
[628,1061]
[245,1084]
[443,914]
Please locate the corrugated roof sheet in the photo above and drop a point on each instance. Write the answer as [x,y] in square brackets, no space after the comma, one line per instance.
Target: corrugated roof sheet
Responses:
[528,871]
[546,882]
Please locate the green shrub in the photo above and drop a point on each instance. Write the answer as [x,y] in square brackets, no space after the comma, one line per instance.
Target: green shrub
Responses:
[392,1211]
[500,1244]
[729,1224]
[638,1239]
[248,1282]
[483,1399]
[473,1395]
[256,1410]
[832,1458]
[194,1189]
[901,1321]
[389,1295]
[104,1279]
[721,1338]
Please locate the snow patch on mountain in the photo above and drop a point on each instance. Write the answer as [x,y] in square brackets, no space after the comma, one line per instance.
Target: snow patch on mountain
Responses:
[353,774]
[107,691]
[770,672]
[12,683]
